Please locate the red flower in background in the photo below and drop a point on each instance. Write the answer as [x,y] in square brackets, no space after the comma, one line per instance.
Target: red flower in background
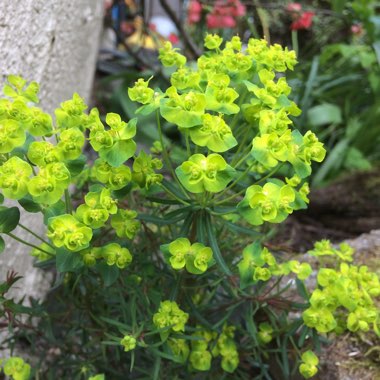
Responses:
[173,38]
[357,29]
[215,21]
[304,21]
[237,8]
[224,14]
[194,12]
[294,7]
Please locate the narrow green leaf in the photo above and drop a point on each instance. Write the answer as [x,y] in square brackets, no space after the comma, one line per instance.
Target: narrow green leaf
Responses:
[250,324]
[157,220]
[201,238]
[214,246]
[240,229]
[2,244]
[186,225]
[118,324]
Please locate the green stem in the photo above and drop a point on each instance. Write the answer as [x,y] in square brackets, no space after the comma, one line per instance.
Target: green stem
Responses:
[188,150]
[174,196]
[241,146]
[36,235]
[295,41]
[69,208]
[243,159]
[28,244]
[166,156]
[235,182]
[230,198]
[242,191]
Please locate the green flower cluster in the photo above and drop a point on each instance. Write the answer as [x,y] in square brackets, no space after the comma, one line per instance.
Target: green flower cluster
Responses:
[201,173]
[258,264]
[115,178]
[204,104]
[308,367]
[170,317]
[16,368]
[66,231]
[181,253]
[265,333]
[272,202]
[144,167]
[114,145]
[97,208]
[19,120]
[209,344]
[40,171]
[97,377]
[125,224]
[128,342]
[112,254]
[324,248]
[351,288]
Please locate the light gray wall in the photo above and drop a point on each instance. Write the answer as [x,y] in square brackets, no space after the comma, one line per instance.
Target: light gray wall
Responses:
[54,42]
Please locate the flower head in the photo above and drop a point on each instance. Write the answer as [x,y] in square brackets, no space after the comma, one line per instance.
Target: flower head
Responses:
[304,21]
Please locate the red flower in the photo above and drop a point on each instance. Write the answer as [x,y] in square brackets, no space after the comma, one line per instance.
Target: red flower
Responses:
[237,9]
[304,21]
[224,14]
[173,38]
[356,29]
[194,12]
[294,7]
[217,21]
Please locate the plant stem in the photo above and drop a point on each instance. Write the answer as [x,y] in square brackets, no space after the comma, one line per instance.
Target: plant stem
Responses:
[295,41]
[69,208]
[241,145]
[230,198]
[174,196]
[36,235]
[244,158]
[187,144]
[242,191]
[166,156]
[235,182]
[28,244]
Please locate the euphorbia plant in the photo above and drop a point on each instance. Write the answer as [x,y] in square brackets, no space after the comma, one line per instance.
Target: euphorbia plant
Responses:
[181,241]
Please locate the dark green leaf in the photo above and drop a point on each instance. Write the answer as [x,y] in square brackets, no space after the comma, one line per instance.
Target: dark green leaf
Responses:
[76,166]
[121,193]
[68,261]
[56,209]
[9,218]
[109,273]
[29,205]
